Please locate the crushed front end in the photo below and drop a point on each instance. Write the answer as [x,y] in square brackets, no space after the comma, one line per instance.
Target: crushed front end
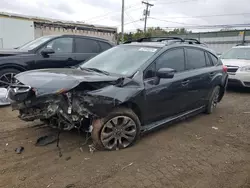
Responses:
[59,110]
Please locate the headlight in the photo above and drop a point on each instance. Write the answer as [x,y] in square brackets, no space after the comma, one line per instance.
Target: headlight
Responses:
[245,69]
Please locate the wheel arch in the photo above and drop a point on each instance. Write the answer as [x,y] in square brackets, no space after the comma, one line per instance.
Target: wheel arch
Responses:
[12,66]
[133,106]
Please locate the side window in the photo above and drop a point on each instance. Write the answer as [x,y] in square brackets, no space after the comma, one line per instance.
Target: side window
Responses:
[104,46]
[195,58]
[174,59]
[214,59]
[61,45]
[150,71]
[86,46]
[208,60]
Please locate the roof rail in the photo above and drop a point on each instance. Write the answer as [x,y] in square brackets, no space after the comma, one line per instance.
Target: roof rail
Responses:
[161,39]
[154,39]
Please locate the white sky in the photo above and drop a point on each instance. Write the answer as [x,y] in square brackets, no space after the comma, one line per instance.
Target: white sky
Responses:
[108,12]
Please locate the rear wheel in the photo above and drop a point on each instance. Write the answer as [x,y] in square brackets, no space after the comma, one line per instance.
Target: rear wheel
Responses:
[7,76]
[213,100]
[119,130]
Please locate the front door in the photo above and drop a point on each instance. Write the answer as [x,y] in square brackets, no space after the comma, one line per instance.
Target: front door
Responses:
[166,97]
[62,57]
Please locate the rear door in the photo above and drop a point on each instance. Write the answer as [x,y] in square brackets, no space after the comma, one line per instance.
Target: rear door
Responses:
[85,49]
[63,56]
[199,77]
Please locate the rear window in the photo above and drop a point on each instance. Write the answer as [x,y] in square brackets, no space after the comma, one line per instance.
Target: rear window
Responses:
[195,58]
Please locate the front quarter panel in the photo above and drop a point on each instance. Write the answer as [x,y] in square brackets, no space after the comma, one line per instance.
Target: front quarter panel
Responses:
[102,101]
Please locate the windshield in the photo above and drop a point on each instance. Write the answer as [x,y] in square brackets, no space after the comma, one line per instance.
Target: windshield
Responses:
[34,43]
[237,53]
[122,59]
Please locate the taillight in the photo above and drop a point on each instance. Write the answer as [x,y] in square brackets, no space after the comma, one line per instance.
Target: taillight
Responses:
[224,68]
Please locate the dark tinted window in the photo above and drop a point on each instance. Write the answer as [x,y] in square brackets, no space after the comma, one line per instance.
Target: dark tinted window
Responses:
[214,59]
[195,58]
[172,59]
[61,45]
[86,46]
[104,46]
[208,60]
[150,71]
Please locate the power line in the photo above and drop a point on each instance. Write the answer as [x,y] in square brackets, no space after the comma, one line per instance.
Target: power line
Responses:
[133,21]
[129,23]
[112,12]
[214,15]
[122,19]
[175,2]
[169,21]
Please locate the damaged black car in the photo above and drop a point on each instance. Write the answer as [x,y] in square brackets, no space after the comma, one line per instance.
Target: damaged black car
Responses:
[124,91]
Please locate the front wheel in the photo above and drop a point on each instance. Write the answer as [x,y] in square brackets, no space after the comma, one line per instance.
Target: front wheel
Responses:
[213,100]
[119,130]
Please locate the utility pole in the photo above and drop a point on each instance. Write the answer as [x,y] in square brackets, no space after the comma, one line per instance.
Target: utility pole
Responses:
[146,14]
[122,28]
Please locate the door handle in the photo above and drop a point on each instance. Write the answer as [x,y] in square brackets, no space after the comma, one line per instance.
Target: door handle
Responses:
[185,82]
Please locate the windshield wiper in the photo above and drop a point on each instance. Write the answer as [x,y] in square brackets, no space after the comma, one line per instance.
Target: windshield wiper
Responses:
[95,70]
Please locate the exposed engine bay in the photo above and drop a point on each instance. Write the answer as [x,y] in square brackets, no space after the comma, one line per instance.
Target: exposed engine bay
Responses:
[65,110]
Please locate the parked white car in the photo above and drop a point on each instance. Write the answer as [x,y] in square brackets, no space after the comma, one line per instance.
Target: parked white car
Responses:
[237,60]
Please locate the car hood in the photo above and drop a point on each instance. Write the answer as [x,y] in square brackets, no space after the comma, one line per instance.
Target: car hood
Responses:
[49,81]
[235,62]
[6,52]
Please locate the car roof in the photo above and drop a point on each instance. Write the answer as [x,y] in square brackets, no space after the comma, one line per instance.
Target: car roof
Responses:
[147,44]
[163,44]
[81,36]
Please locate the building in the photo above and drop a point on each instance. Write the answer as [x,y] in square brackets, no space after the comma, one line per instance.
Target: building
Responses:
[16,30]
[221,41]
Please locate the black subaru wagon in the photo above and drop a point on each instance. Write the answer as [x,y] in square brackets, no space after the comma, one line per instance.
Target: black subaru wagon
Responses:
[125,91]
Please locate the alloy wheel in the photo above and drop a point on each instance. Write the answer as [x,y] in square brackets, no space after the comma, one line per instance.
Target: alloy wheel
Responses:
[7,79]
[118,132]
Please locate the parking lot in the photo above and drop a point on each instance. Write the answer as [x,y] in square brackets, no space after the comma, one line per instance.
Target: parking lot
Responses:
[203,151]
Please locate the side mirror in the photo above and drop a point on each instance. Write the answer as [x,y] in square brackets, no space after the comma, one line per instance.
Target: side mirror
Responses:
[165,73]
[47,51]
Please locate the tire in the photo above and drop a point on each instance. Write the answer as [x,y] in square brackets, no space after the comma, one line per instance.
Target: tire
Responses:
[7,76]
[115,126]
[213,100]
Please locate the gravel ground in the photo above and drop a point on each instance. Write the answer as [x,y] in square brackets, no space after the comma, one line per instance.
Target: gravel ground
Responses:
[204,151]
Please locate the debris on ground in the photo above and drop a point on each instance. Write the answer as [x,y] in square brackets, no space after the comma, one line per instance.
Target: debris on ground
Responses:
[45,140]
[70,185]
[86,159]
[81,149]
[50,185]
[246,112]
[215,128]
[67,158]
[19,150]
[22,178]
[130,164]
[6,144]
[92,148]
[198,138]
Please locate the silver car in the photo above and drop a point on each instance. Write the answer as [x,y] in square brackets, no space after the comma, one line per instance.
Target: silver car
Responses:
[237,61]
